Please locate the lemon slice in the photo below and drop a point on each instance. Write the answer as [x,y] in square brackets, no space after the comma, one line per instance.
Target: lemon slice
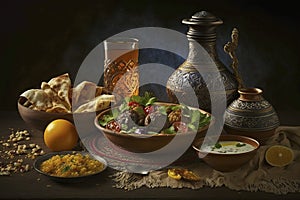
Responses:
[279,156]
[183,173]
[174,174]
[189,175]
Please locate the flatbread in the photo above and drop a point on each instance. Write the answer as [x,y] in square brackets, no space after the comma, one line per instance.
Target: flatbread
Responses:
[37,99]
[58,105]
[62,86]
[84,92]
[97,104]
[58,109]
[58,96]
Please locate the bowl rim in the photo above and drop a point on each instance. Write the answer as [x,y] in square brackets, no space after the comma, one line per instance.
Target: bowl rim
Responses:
[195,147]
[49,155]
[141,136]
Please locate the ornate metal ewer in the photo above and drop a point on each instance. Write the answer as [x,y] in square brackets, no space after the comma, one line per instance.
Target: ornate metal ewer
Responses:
[202,30]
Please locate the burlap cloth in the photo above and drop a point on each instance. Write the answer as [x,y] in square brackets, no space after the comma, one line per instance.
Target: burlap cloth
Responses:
[257,175]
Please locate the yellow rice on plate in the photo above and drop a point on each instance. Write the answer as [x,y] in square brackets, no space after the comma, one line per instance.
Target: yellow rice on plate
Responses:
[71,165]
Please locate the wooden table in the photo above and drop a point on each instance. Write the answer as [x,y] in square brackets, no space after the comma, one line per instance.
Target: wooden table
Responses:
[32,185]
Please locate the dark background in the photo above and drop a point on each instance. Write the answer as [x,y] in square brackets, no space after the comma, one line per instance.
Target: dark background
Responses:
[42,39]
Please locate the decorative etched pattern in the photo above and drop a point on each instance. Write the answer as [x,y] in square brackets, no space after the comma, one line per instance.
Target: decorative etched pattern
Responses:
[123,160]
[250,105]
[245,122]
[181,81]
[122,77]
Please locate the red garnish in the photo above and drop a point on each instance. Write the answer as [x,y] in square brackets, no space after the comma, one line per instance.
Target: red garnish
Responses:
[113,125]
[148,109]
[180,127]
[133,104]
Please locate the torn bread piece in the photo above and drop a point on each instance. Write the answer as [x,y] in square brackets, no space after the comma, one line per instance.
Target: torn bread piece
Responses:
[85,92]
[97,104]
[62,86]
[37,99]
[59,106]
[58,96]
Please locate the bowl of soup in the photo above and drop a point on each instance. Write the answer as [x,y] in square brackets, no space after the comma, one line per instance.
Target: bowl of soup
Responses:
[226,153]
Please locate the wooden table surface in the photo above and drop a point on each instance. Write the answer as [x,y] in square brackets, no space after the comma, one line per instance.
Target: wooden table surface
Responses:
[32,185]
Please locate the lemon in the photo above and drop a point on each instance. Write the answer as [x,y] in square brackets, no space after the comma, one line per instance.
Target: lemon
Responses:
[279,156]
[60,135]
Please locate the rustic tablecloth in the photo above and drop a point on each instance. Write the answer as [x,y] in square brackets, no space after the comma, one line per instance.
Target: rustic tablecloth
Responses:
[257,175]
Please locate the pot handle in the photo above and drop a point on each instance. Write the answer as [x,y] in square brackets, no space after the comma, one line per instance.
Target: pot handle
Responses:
[230,48]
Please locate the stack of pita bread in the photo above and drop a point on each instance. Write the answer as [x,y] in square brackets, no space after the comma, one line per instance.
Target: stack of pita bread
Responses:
[58,96]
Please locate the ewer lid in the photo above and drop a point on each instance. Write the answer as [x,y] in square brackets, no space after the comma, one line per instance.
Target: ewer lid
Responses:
[202,25]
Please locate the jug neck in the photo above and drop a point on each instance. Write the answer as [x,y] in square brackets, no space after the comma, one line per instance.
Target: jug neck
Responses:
[250,94]
[196,53]
[203,30]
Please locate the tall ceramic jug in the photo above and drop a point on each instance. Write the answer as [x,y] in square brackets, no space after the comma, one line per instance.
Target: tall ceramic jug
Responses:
[190,74]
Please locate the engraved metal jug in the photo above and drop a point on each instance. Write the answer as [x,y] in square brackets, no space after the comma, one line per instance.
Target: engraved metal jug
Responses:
[202,30]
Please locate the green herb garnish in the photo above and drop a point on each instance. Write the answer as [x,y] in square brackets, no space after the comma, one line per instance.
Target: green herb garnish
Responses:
[197,119]
[139,110]
[163,110]
[195,116]
[192,126]
[124,106]
[170,130]
[124,127]
[204,120]
[176,107]
[218,145]
[240,144]
[66,168]
[105,119]
[145,100]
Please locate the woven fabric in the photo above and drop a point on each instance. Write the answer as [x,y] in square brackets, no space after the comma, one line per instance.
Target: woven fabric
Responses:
[257,175]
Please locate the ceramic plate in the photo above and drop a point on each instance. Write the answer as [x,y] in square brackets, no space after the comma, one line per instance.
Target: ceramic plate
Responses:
[37,163]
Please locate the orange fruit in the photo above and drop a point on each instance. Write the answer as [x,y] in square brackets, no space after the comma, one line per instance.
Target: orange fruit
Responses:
[279,156]
[60,135]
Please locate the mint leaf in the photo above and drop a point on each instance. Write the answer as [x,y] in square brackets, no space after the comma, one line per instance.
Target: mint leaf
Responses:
[162,110]
[139,110]
[123,107]
[192,126]
[218,145]
[240,144]
[127,99]
[175,107]
[195,116]
[170,130]
[137,99]
[147,99]
[150,101]
[124,127]
[105,119]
